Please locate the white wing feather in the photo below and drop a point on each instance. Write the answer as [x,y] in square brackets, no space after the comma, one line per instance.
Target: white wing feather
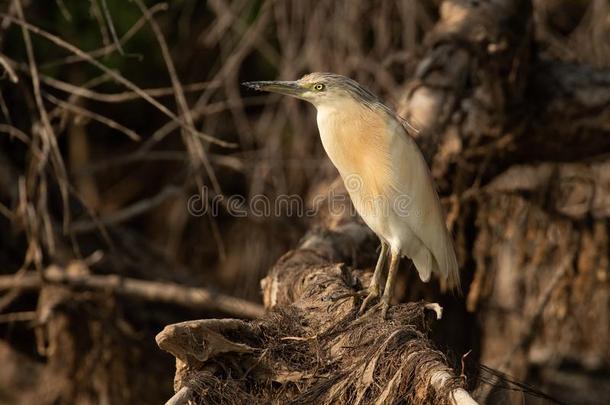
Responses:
[424,215]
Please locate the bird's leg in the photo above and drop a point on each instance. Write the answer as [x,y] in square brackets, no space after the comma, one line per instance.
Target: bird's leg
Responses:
[389,285]
[373,290]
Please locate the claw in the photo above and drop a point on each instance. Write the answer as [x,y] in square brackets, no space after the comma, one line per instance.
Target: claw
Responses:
[385,305]
[373,293]
[384,310]
[337,297]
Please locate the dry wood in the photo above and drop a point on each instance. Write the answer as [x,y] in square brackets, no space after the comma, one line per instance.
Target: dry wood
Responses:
[313,344]
[116,76]
[170,293]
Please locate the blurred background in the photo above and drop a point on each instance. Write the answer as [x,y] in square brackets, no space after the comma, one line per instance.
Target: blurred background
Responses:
[114,113]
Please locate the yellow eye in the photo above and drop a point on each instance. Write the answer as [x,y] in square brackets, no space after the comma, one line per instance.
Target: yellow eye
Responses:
[318,87]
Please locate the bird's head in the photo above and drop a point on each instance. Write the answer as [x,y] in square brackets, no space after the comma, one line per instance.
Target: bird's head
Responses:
[317,88]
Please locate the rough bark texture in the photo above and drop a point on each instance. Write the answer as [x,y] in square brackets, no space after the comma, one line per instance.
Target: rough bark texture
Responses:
[538,232]
[312,347]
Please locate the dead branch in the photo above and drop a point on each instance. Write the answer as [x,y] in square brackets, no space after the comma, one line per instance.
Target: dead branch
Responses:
[118,97]
[314,346]
[15,133]
[48,138]
[110,48]
[83,112]
[181,397]
[8,69]
[116,76]
[126,213]
[191,297]
[199,155]
[108,17]
[24,316]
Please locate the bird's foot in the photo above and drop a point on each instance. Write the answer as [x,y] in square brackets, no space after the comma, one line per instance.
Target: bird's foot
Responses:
[381,306]
[384,309]
[373,293]
[338,297]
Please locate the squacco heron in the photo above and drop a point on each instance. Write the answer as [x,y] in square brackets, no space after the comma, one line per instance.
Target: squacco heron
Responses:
[385,174]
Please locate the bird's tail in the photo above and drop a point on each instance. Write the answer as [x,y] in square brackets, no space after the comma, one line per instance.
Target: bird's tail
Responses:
[442,262]
[449,271]
[424,263]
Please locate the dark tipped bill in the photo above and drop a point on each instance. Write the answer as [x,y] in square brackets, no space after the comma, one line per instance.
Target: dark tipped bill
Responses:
[291,88]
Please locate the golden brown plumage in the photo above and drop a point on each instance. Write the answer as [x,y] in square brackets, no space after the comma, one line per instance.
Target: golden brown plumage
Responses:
[386,176]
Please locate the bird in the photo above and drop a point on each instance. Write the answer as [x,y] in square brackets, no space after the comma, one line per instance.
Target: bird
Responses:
[386,177]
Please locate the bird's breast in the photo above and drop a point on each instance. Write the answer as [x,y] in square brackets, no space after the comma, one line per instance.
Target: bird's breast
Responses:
[358,143]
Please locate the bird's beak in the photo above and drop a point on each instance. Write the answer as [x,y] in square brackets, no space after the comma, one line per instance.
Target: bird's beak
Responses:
[287,88]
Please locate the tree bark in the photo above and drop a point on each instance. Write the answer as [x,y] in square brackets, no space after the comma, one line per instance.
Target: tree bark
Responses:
[313,345]
[519,145]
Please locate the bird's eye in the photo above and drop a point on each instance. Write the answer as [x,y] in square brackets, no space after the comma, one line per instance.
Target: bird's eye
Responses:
[318,87]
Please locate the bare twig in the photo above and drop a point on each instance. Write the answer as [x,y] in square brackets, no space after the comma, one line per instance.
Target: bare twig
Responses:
[458,396]
[181,397]
[9,70]
[108,49]
[13,292]
[117,97]
[111,28]
[116,76]
[96,12]
[94,116]
[4,109]
[49,140]
[153,291]
[193,145]
[230,162]
[4,210]
[198,111]
[64,10]
[15,132]
[126,213]
[24,316]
